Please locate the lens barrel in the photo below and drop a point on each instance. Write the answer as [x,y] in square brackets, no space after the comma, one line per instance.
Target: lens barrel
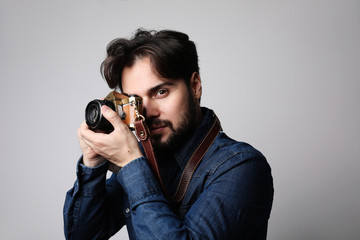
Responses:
[94,118]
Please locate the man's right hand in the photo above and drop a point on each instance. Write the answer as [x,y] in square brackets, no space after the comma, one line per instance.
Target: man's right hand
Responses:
[90,157]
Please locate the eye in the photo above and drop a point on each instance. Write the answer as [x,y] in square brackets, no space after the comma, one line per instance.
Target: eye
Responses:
[161,93]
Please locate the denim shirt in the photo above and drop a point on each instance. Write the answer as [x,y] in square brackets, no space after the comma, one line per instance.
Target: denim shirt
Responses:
[229,196]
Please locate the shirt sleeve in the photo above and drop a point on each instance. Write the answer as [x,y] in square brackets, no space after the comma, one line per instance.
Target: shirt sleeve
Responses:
[92,208]
[235,202]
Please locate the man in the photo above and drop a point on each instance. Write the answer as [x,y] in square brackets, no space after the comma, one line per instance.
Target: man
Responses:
[230,192]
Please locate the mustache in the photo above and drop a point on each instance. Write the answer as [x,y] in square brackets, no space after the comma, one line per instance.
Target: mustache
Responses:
[159,122]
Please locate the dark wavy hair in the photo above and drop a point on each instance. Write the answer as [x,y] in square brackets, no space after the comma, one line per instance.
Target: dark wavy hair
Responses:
[172,55]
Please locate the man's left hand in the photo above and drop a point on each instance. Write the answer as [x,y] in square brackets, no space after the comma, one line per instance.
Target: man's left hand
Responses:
[120,146]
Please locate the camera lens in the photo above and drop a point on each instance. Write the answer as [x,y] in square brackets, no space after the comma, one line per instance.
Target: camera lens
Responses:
[93,114]
[94,118]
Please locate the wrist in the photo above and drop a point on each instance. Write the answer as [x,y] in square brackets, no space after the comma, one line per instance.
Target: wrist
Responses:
[93,162]
[91,180]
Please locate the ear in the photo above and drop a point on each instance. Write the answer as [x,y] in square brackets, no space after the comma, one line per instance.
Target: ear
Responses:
[195,85]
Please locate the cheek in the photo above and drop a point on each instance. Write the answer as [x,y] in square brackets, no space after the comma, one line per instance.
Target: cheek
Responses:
[174,109]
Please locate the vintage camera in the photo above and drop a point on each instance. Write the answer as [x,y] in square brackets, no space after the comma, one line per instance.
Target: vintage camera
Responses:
[129,108]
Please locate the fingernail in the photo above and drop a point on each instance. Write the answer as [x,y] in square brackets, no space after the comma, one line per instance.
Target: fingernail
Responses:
[104,108]
[107,112]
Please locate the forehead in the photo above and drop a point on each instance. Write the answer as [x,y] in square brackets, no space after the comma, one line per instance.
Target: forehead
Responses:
[140,78]
[137,74]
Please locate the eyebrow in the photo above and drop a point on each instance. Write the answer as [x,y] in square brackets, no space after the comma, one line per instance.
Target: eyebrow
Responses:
[161,85]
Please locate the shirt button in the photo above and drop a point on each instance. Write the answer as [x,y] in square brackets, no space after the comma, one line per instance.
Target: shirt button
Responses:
[127,210]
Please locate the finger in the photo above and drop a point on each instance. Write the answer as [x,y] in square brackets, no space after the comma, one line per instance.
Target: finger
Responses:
[88,135]
[83,128]
[95,141]
[89,144]
[112,117]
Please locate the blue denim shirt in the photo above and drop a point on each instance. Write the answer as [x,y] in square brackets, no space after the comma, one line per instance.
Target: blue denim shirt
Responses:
[229,197]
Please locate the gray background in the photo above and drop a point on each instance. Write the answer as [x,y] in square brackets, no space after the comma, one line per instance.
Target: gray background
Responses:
[281,75]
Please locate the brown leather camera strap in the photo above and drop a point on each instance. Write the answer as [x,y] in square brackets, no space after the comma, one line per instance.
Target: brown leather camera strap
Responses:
[195,159]
[143,134]
[113,167]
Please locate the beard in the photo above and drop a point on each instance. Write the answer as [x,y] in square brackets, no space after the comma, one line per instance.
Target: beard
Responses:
[181,133]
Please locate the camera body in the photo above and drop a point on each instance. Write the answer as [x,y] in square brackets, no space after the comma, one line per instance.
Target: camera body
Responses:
[128,107]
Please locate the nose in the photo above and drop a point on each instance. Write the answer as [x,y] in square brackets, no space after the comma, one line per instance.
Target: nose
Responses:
[150,109]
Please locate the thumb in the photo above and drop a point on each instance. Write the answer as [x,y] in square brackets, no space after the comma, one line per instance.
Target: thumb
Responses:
[111,116]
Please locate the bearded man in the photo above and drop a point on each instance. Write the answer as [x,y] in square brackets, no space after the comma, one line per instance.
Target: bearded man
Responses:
[229,190]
